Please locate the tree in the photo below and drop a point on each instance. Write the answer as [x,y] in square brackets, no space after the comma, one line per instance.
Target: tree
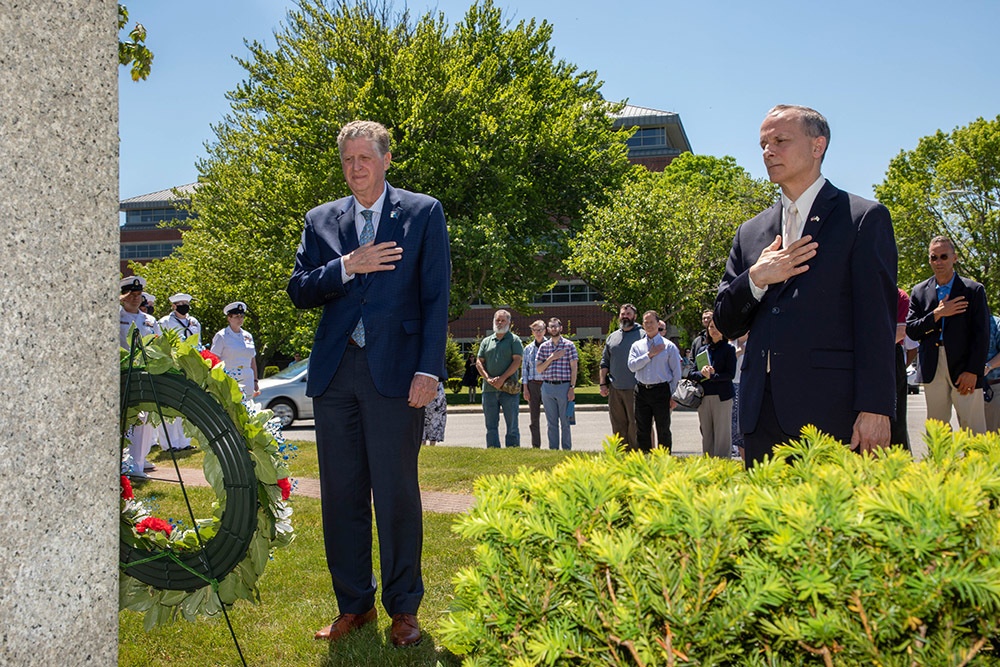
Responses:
[949,184]
[663,240]
[134,51]
[514,143]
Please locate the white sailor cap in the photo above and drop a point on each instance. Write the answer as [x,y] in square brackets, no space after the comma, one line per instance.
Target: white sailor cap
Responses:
[177,298]
[149,297]
[235,308]
[133,284]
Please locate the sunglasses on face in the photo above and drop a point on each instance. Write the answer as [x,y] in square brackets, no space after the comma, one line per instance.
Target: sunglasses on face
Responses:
[661,330]
[943,257]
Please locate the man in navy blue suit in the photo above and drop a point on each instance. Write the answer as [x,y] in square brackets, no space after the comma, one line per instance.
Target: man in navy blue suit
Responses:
[813,281]
[379,264]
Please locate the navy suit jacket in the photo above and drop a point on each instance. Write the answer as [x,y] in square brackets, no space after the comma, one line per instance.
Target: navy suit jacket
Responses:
[405,310]
[966,335]
[829,331]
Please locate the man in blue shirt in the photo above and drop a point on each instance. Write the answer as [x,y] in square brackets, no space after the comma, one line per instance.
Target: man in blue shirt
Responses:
[950,319]
[656,362]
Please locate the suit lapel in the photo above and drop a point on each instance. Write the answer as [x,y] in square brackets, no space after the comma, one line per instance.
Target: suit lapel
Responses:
[389,218]
[825,202]
[346,228]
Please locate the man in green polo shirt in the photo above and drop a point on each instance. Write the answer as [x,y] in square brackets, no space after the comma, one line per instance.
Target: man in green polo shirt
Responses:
[499,358]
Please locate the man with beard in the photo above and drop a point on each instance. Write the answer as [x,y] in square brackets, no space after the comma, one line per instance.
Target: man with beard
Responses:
[557,362]
[498,359]
[617,381]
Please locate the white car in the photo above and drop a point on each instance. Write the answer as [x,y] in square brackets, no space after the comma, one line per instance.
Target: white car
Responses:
[285,393]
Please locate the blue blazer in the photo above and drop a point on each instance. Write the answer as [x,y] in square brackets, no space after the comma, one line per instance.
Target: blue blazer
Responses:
[966,336]
[405,310]
[829,331]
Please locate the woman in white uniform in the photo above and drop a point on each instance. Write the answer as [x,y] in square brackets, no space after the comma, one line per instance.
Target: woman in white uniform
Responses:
[235,347]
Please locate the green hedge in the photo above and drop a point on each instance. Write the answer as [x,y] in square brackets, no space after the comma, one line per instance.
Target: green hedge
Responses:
[819,557]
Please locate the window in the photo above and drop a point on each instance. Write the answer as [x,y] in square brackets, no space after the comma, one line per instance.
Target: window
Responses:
[648,137]
[144,251]
[152,217]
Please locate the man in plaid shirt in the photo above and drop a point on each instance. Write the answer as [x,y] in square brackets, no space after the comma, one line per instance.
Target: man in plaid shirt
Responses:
[556,362]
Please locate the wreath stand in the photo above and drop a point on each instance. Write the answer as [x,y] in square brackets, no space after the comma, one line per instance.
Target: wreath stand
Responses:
[218,556]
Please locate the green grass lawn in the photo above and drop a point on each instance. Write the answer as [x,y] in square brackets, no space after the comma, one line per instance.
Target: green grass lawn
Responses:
[296,594]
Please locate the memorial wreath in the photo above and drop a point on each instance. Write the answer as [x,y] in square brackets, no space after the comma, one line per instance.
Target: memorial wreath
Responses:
[169,570]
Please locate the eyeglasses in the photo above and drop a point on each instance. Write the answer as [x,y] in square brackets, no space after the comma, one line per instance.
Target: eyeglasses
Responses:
[943,257]
[660,329]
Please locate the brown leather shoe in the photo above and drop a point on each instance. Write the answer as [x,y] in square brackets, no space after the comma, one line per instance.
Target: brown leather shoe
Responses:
[405,630]
[345,624]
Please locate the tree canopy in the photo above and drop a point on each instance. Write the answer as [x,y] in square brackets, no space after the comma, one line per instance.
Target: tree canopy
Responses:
[949,184]
[663,240]
[515,143]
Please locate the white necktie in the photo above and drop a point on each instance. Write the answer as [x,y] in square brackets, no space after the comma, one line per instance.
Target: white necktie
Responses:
[793,225]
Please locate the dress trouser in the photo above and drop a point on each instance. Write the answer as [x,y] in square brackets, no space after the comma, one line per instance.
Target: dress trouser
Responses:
[940,395]
[652,404]
[535,411]
[898,433]
[368,446]
[621,408]
[715,417]
[761,441]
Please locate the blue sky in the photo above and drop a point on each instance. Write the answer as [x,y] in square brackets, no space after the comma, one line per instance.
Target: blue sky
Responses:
[883,73]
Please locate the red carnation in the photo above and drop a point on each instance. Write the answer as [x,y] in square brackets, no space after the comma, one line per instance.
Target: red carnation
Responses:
[210,357]
[285,485]
[127,489]
[153,523]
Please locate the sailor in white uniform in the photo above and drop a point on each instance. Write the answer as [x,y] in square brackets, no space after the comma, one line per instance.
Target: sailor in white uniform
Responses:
[189,329]
[141,435]
[235,347]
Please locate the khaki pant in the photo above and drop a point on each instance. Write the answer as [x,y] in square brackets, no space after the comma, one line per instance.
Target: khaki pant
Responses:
[941,395]
[621,408]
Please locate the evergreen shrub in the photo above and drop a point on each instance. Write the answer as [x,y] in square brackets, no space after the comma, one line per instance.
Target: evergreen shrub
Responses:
[817,557]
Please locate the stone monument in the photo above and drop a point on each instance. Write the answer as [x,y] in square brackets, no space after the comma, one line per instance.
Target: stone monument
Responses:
[59,456]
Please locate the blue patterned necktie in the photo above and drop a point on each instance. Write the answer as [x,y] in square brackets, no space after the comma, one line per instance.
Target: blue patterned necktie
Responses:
[367,236]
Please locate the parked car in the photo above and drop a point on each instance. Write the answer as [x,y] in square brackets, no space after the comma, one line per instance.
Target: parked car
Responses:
[285,393]
[913,379]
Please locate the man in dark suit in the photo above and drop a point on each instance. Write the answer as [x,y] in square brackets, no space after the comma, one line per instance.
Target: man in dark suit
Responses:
[378,262]
[949,317]
[813,281]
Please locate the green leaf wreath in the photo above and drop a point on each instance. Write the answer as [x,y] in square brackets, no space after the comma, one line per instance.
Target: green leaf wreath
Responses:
[176,547]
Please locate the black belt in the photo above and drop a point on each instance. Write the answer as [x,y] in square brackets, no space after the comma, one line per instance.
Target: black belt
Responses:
[652,386]
[556,381]
[534,381]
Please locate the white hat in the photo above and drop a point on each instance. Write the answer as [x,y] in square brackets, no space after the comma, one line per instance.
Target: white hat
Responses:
[149,297]
[235,308]
[133,283]
[177,298]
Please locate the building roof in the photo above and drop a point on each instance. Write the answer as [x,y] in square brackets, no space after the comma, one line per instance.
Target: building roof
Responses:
[635,116]
[159,199]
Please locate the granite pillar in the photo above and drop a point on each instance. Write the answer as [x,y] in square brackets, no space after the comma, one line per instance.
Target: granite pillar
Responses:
[58,337]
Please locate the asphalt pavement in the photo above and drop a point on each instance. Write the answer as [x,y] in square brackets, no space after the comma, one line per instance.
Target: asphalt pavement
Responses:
[465,428]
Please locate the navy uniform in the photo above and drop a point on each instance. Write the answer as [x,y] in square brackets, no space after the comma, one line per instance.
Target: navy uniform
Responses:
[130,315]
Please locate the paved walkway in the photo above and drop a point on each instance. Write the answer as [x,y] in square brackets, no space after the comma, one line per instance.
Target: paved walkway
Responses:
[432,501]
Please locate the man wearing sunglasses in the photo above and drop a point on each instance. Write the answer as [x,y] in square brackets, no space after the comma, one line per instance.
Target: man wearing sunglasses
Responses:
[949,318]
